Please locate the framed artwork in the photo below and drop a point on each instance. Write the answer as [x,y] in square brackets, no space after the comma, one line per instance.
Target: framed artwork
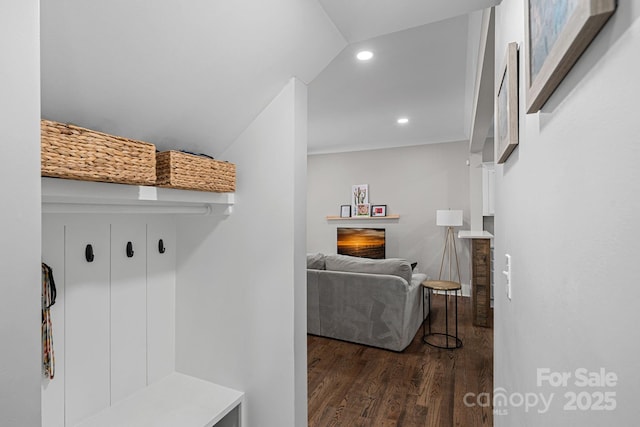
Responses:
[362,209]
[345,211]
[379,210]
[507,106]
[557,33]
[359,196]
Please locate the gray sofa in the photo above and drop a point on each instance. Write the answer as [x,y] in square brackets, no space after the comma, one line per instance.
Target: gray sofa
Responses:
[365,301]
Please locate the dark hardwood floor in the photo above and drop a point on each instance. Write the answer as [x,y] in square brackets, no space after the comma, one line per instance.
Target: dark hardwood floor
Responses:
[355,385]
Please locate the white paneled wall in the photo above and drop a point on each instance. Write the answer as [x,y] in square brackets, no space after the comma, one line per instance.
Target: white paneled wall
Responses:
[114,319]
[53,255]
[86,320]
[161,300]
[128,310]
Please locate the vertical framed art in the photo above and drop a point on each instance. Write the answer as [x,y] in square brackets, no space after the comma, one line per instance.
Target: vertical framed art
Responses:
[507,106]
[360,200]
[557,33]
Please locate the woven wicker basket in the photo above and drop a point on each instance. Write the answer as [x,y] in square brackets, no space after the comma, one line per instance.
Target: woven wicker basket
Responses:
[176,169]
[73,152]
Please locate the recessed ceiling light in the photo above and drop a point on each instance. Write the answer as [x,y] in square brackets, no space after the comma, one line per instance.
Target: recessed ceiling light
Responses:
[364,55]
[403,120]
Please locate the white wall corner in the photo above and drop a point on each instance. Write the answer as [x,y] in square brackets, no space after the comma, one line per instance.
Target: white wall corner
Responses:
[238,278]
[474,38]
[300,249]
[475,191]
[482,110]
[20,220]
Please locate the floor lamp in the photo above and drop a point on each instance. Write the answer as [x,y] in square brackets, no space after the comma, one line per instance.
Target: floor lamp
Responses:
[449,219]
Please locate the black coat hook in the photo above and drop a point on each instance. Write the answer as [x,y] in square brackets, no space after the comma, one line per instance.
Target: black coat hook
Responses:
[88,253]
[161,247]
[129,249]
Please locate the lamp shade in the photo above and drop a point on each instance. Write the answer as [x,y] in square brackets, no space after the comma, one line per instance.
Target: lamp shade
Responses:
[449,218]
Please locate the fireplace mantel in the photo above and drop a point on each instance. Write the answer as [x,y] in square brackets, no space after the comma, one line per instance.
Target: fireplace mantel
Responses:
[361,218]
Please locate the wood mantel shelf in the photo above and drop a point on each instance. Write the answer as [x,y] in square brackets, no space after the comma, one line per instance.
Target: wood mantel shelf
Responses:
[364,218]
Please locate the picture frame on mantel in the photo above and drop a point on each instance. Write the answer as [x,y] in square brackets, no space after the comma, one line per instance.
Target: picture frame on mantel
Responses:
[363,210]
[345,211]
[507,106]
[359,198]
[378,210]
[557,33]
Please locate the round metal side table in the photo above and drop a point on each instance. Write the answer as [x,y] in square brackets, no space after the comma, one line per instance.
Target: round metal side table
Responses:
[431,337]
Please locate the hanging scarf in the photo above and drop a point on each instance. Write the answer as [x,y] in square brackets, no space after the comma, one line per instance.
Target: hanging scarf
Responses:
[48,299]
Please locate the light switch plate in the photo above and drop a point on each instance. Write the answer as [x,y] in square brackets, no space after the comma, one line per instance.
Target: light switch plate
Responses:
[507,273]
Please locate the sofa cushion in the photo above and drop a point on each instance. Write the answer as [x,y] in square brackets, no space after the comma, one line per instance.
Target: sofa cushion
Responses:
[315,261]
[391,266]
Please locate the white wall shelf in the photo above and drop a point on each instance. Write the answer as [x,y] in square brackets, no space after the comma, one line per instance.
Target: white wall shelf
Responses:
[176,400]
[71,196]
[470,234]
[361,218]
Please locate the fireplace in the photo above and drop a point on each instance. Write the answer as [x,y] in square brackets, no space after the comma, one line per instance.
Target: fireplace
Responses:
[362,242]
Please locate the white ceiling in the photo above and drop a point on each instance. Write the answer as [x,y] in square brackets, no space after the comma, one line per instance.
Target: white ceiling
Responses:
[418,73]
[193,74]
[360,20]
